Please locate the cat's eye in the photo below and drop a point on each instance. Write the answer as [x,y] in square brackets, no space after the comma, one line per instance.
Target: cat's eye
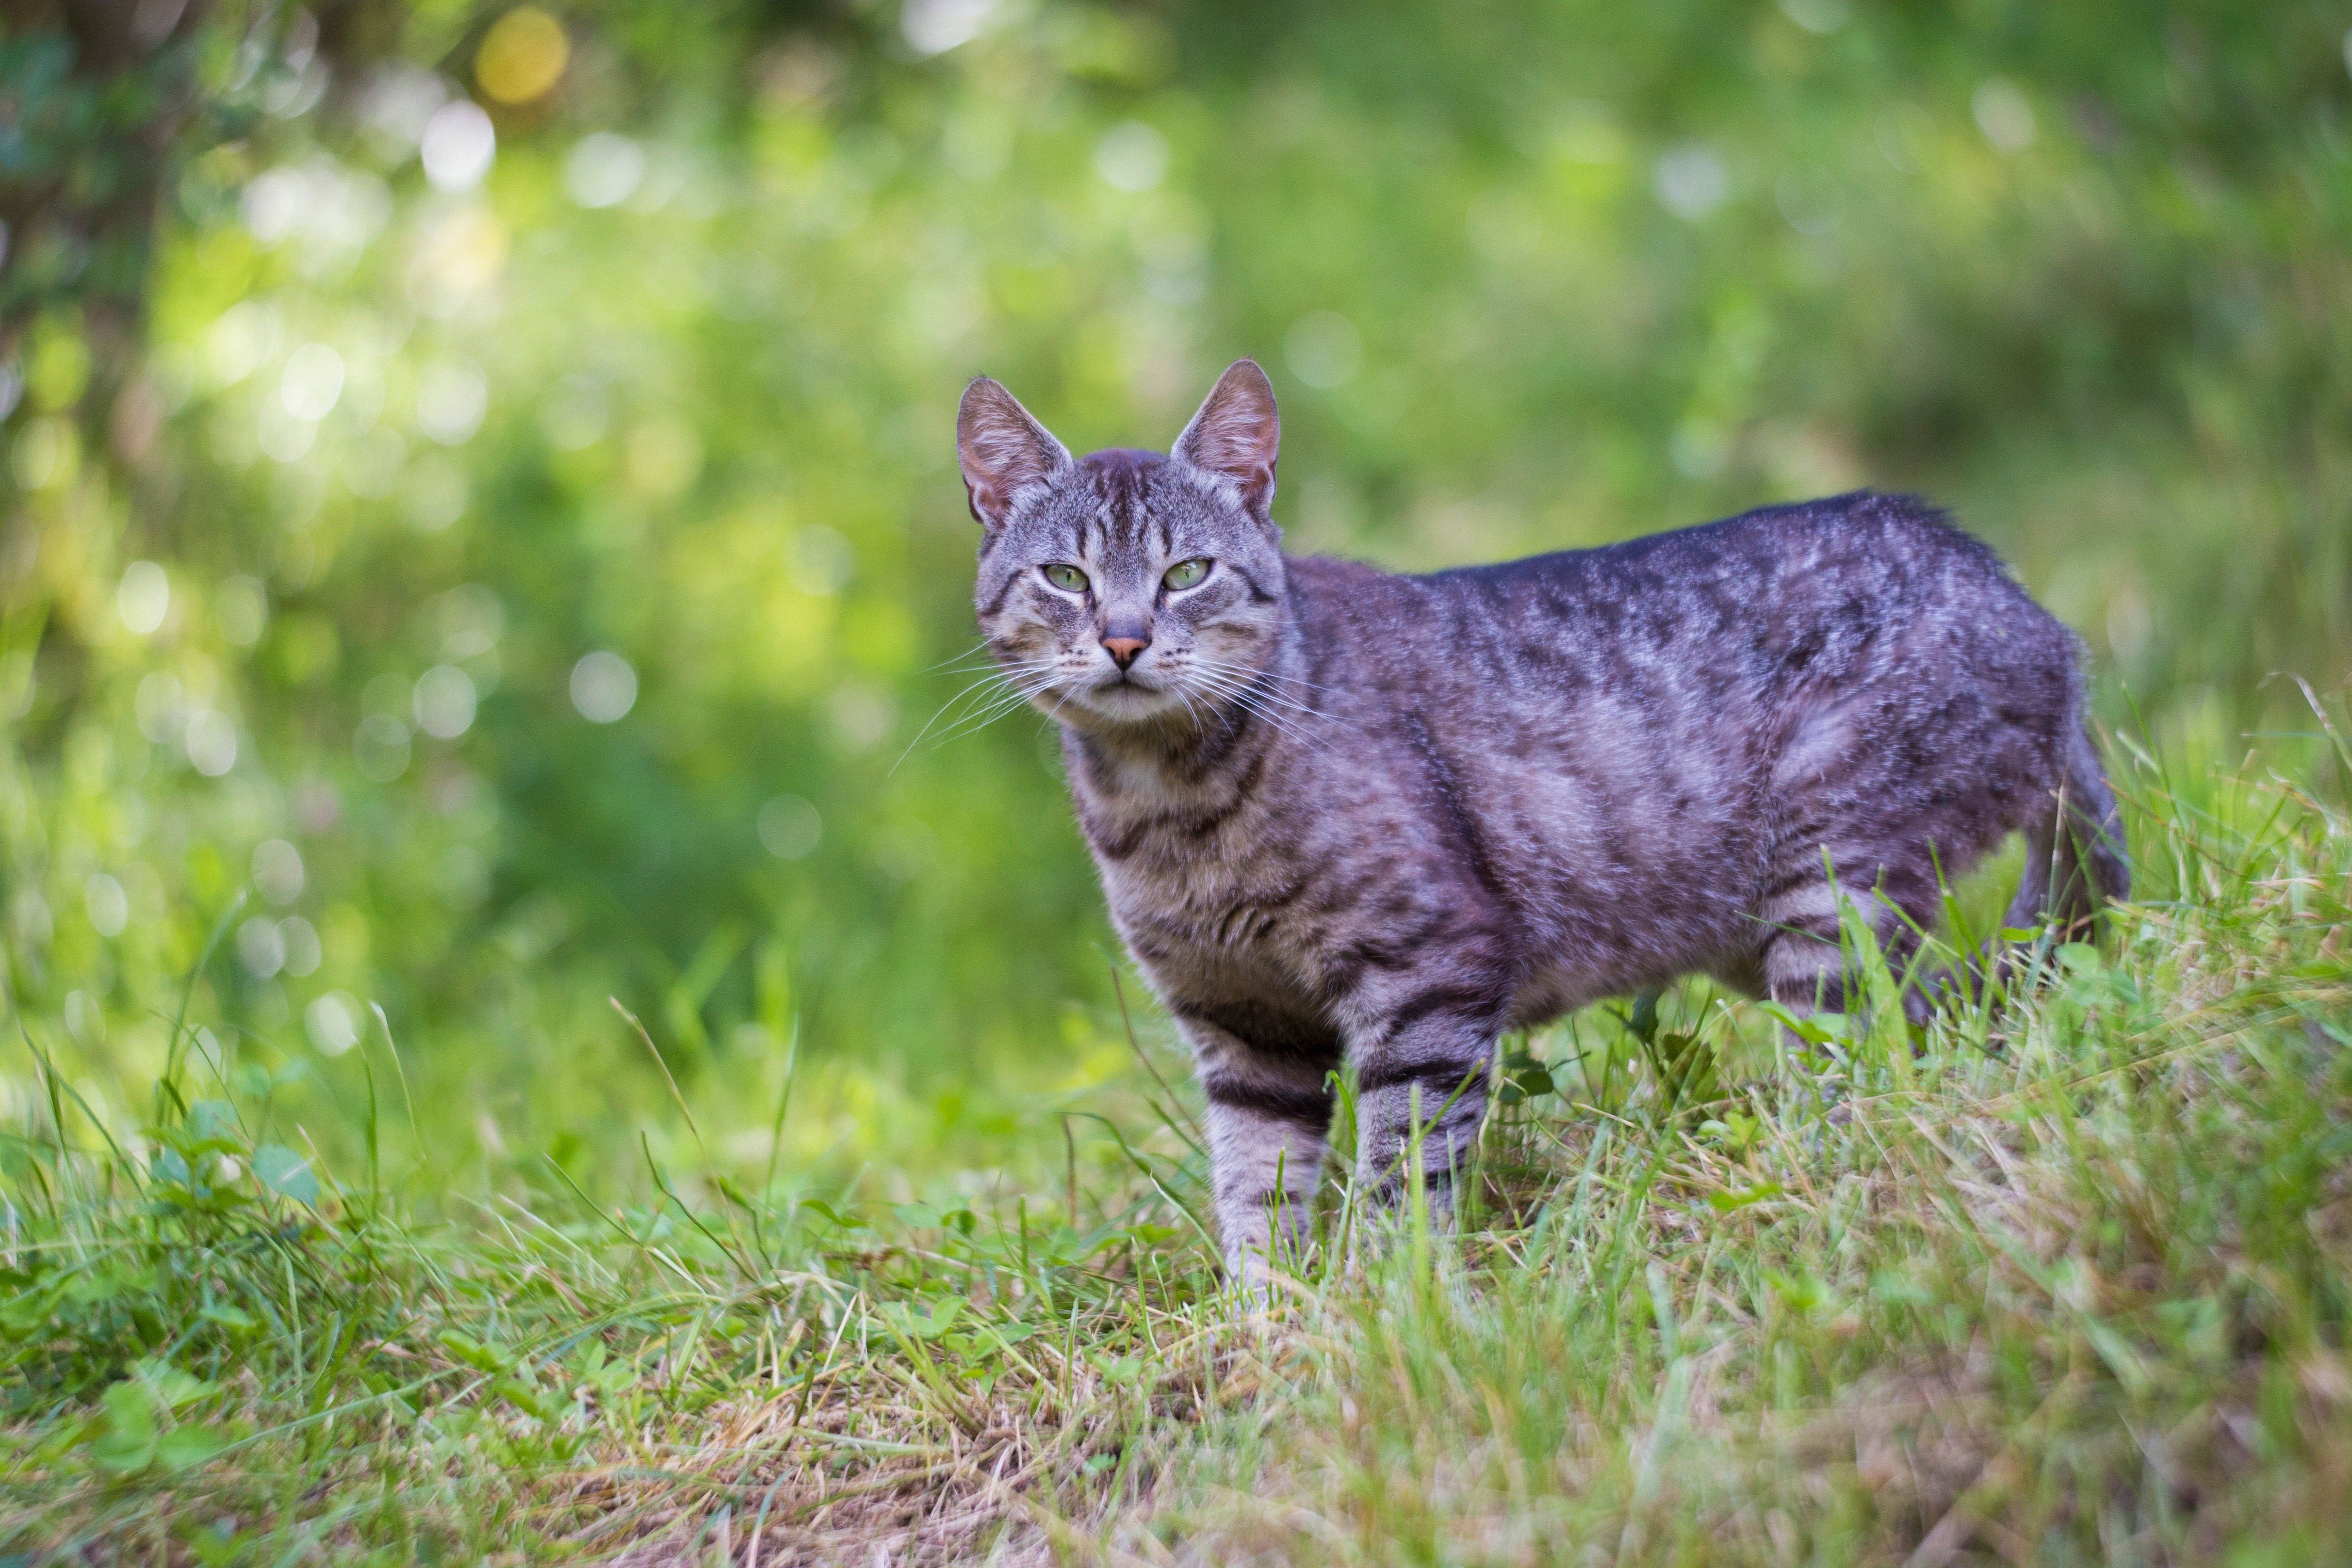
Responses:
[1065,577]
[1186,573]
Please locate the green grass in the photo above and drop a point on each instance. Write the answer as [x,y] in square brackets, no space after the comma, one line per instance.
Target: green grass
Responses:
[2064,1280]
[220,1352]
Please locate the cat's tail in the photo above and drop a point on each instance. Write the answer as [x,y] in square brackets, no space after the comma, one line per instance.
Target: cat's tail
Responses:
[2076,862]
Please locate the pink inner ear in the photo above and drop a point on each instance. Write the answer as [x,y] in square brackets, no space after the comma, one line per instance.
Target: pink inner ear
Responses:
[1235,440]
[992,498]
[1253,475]
[1238,434]
[1000,450]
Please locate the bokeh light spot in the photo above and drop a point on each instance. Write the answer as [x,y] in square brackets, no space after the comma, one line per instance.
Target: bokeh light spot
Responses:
[451,398]
[819,560]
[1691,181]
[332,1022]
[380,748]
[272,204]
[241,610]
[790,827]
[278,870]
[47,453]
[1323,348]
[1132,156]
[1807,197]
[445,702]
[604,686]
[2004,114]
[301,941]
[458,145]
[85,1019]
[574,413]
[234,345]
[211,743]
[437,493]
[261,947]
[109,906]
[144,596]
[459,254]
[312,382]
[603,169]
[397,104]
[285,437]
[662,457]
[161,707]
[522,55]
[1816,15]
[935,26]
[860,716]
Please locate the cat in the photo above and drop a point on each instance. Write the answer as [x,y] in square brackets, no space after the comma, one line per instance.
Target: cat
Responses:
[1347,816]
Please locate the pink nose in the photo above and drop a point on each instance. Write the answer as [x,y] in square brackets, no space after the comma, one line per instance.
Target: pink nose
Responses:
[1123,650]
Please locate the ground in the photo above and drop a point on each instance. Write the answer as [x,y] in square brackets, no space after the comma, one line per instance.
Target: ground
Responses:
[2066,1278]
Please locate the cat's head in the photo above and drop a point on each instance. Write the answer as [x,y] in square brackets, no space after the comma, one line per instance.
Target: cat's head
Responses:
[1128,588]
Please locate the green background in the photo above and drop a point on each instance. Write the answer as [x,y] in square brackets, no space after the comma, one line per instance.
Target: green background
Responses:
[1525,276]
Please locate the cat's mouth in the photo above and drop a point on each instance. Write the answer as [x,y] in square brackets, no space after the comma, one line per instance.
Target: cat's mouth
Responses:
[1126,696]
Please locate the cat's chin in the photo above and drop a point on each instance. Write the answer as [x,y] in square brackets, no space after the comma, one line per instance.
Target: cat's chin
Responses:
[1120,704]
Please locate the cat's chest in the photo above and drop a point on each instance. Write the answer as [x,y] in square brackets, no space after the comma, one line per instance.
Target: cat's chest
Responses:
[1192,868]
[1207,870]
[1206,902]
[1219,927]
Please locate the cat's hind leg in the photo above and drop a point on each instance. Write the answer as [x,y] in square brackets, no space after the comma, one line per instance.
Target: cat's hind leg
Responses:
[1803,962]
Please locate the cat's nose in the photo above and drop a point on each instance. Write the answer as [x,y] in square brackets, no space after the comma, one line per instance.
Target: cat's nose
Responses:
[1123,650]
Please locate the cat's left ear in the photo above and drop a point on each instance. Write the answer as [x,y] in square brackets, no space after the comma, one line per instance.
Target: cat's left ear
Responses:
[1236,437]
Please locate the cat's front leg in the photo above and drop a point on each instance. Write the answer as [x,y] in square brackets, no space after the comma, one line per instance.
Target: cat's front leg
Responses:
[1269,1112]
[1420,1093]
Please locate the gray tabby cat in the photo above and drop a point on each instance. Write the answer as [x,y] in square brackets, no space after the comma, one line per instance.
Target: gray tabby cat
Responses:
[1347,816]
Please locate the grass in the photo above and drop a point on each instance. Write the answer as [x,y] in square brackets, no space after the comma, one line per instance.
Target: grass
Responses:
[219,1352]
[2062,1280]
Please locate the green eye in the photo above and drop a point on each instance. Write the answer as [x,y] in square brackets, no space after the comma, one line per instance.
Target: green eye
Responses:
[1185,573]
[1069,579]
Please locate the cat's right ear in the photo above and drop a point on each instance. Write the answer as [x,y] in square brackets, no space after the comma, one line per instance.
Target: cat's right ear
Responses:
[1002,451]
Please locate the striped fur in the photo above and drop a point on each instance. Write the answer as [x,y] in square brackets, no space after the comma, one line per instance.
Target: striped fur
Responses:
[1342,816]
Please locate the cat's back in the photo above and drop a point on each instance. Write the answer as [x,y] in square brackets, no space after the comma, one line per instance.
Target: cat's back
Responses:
[1835,551]
[1819,580]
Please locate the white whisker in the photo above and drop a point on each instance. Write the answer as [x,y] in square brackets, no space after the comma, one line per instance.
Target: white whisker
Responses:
[1259,682]
[1005,687]
[1230,691]
[957,658]
[1236,683]
[1266,672]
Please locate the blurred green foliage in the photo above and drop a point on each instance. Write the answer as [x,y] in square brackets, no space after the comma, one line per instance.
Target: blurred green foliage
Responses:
[514,543]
